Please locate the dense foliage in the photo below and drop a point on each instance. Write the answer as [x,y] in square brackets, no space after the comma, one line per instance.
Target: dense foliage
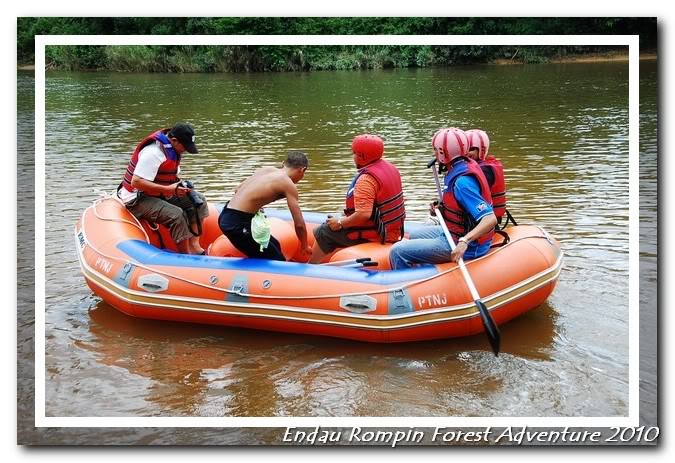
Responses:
[282,58]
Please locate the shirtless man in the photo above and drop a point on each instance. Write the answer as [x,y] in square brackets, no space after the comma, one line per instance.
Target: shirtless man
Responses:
[266,185]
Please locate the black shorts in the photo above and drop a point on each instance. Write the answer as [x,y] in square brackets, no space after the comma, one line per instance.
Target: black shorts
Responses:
[236,225]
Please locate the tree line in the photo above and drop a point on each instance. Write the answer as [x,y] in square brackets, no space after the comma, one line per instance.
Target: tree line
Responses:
[135,58]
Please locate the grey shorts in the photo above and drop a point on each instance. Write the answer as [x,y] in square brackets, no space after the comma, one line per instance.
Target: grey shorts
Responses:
[170,213]
[329,240]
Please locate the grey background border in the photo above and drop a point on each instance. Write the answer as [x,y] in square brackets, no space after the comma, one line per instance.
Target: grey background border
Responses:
[28,434]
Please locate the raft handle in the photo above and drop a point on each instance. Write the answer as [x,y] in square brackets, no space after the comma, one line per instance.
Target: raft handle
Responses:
[358,308]
[153,283]
[358,304]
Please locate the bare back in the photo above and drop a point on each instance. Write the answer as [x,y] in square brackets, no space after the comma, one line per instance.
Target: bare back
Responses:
[264,186]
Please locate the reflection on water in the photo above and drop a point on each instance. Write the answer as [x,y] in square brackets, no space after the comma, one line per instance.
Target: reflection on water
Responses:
[241,373]
[560,130]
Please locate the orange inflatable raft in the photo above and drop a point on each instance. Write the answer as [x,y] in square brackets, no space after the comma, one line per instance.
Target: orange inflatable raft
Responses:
[135,268]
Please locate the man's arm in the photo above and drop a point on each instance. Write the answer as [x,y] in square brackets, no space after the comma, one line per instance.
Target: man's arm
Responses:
[291,193]
[365,192]
[483,226]
[149,160]
[155,189]
[356,219]
[467,193]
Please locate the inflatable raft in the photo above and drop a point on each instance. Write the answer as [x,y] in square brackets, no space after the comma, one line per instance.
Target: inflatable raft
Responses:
[123,262]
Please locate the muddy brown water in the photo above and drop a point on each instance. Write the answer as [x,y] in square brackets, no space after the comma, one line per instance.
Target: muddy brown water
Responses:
[561,130]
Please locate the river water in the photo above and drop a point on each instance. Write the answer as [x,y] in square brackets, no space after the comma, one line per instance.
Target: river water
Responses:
[561,130]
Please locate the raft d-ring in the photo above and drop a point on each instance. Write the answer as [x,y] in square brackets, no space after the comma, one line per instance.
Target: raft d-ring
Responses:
[401,300]
[213,279]
[237,289]
[267,284]
[124,273]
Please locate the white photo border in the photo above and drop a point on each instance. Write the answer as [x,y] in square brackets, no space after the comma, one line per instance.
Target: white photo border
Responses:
[632,41]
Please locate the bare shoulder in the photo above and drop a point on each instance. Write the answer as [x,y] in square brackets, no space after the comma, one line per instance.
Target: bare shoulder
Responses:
[285,183]
[279,184]
[264,171]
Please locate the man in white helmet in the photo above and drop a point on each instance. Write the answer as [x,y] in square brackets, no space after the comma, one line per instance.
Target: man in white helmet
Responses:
[466,208]
[479,146]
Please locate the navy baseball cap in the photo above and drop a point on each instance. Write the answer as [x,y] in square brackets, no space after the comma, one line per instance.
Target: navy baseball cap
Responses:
[185,134]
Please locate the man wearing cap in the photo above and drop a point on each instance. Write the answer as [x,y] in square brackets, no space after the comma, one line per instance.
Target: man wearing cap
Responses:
[151,188]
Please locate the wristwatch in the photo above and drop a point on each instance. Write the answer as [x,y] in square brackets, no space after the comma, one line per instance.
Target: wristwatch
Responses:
[463,240]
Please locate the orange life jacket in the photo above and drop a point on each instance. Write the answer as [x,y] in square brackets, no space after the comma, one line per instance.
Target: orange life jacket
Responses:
[459,221]
[386,220]
[498,188]
[168,170]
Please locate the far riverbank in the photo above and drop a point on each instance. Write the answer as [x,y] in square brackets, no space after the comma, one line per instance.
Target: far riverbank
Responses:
[584,58]
[581,58]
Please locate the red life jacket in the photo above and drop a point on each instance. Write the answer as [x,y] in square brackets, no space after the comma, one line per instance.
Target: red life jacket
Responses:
[498,188]
[168,170]
[460,222]
[386,221]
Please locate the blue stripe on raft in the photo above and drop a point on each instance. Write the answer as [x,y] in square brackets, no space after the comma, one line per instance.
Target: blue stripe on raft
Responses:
[146,254]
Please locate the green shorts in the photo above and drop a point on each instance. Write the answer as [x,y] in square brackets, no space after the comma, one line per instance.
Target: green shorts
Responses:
[329,240]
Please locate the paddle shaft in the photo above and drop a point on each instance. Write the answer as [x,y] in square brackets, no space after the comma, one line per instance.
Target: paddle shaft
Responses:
[460,262]
[490,326]
[438,182]
[339,263]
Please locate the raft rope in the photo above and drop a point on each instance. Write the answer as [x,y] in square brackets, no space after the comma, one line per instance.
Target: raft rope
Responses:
[268,296]
[105,195]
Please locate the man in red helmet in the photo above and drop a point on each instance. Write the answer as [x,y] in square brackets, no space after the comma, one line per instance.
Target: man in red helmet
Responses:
[374,206]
